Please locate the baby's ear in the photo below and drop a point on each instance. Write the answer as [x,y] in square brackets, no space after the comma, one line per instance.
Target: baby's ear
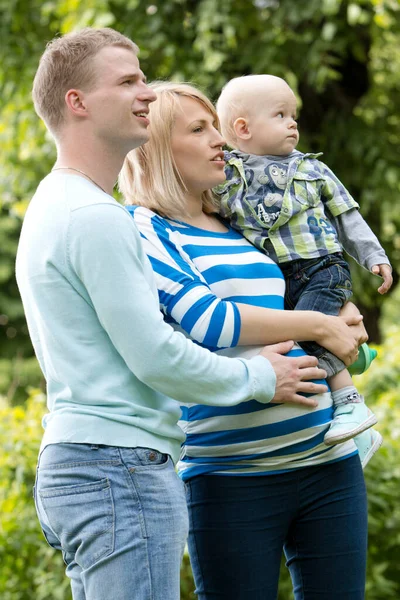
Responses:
[241,127]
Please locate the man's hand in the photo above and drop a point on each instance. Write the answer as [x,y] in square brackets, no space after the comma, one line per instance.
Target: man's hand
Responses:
[293,375]
[385,271]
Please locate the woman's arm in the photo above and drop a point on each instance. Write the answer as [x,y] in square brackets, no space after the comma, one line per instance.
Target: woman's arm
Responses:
[187,299]
[333,333]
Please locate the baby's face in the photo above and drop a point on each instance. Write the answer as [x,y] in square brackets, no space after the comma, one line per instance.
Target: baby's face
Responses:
[272,123]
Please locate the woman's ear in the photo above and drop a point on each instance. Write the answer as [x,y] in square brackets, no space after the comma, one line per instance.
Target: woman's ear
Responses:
[241,127]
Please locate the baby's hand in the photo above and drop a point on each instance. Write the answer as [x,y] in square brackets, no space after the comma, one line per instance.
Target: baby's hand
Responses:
[385,271]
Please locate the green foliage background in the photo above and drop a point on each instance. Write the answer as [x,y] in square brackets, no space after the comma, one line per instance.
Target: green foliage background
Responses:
[342,58]
[30,569]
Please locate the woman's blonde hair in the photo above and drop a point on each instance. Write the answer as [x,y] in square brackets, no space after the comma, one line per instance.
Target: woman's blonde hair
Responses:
[149,176]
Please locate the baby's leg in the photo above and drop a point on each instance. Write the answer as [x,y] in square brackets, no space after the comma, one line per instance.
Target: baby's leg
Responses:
[325,286]
[322,285]
[351,416]
[340,380]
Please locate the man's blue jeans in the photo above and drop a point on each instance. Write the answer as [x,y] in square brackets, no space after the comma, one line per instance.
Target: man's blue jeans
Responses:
[239,527]
[119,516]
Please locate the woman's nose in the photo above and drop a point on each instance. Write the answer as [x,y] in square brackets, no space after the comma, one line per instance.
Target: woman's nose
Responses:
[218,140]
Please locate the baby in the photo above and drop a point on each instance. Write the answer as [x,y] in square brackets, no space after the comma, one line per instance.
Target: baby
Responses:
[292,207]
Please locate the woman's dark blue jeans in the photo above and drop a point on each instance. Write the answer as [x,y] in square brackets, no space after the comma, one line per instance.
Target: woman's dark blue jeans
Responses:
[239,526]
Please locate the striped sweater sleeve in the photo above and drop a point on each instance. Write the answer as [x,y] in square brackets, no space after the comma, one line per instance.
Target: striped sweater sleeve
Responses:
[185,297]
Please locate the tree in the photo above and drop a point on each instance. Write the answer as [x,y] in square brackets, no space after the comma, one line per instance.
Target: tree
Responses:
[341,57]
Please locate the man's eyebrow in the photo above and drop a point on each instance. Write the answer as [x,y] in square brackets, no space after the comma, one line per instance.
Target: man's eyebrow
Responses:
[136,75]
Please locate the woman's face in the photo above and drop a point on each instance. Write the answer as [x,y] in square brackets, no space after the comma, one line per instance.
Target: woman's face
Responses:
[197,147]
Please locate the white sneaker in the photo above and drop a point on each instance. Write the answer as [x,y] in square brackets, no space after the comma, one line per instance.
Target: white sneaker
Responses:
[349,420]
[367,444]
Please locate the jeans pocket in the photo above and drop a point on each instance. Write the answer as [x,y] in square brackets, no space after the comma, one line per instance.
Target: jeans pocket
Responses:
[146,457]
[82,518]
[342,281]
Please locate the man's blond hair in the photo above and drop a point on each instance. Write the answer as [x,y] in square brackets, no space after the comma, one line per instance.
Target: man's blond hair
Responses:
[149,176]
[67,63]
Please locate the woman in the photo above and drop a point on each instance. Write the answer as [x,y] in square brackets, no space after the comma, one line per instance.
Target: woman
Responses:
[258,478]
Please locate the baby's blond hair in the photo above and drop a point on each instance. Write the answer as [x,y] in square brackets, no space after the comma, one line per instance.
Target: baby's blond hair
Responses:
[242,97]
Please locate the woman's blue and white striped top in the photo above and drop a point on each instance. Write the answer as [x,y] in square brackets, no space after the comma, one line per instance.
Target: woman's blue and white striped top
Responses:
[200,275]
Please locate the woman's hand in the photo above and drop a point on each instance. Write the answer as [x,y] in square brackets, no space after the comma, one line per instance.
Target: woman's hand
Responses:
[344,334]
[358,329]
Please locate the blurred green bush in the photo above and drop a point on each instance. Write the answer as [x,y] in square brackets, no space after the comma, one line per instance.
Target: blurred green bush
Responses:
[381,388]
[30,569]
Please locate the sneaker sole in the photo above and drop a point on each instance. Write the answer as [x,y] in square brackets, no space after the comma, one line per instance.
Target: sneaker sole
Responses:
[374,448]
[348,435]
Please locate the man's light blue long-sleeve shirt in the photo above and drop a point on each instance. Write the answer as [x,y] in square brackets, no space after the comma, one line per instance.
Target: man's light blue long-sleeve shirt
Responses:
[114,368]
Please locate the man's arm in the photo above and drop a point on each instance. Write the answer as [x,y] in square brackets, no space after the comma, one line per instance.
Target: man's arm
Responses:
[108,257]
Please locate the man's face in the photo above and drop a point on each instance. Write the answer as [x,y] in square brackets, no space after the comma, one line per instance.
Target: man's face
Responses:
[273,127]
[118,105]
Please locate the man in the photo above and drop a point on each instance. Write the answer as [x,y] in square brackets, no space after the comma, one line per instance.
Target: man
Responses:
[106,492]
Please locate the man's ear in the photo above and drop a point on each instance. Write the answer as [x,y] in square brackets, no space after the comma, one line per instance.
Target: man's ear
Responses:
[241,127]
[75,101]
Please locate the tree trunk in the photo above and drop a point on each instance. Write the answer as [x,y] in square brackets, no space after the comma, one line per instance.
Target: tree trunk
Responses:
[372,316]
